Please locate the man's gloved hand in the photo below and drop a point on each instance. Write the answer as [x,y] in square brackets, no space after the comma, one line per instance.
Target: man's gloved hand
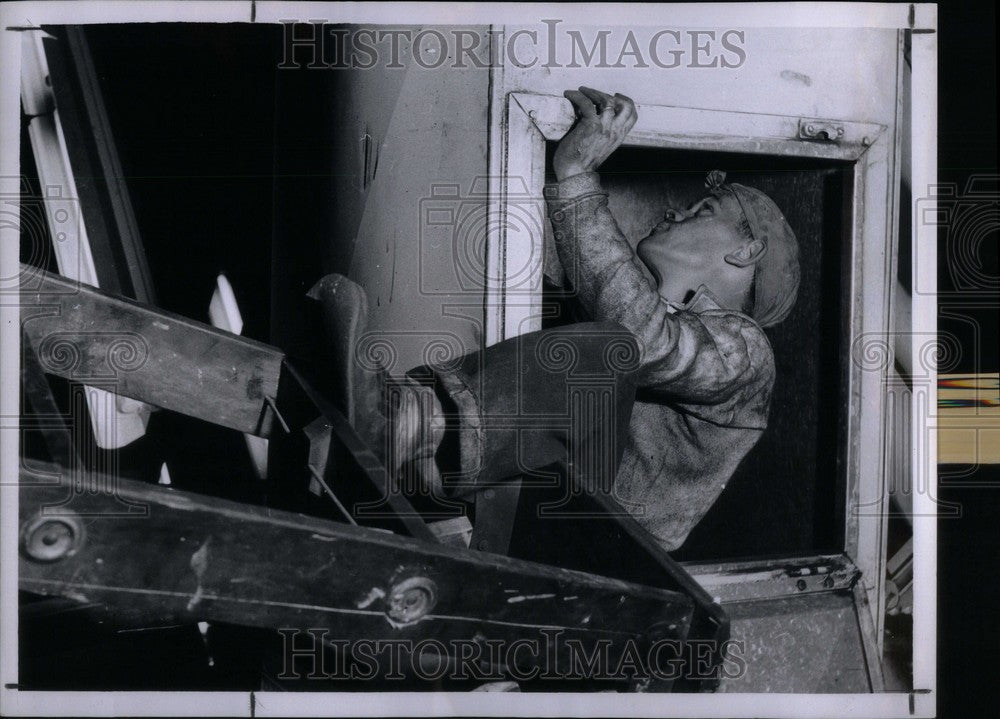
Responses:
[602,123]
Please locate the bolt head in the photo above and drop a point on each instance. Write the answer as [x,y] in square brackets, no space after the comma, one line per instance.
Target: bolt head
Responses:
[411,599]
[51,538]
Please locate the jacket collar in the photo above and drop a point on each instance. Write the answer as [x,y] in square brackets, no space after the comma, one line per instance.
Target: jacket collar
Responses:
[702,300]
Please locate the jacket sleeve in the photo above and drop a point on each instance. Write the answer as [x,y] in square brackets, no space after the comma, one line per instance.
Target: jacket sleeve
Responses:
[696,358]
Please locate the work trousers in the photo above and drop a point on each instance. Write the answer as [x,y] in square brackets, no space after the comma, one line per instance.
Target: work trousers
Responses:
[558,397]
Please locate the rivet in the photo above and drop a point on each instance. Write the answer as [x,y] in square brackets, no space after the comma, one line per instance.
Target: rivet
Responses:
[47,539]
[489,494]
[411,599]
[828,582]
[482,545]
[801,584]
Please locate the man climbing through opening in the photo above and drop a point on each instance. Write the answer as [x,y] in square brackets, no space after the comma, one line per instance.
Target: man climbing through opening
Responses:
[689,368]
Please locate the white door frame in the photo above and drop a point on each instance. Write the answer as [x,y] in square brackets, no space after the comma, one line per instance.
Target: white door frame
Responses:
[521,124]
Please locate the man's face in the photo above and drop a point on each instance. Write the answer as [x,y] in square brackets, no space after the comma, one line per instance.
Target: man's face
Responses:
[693,240]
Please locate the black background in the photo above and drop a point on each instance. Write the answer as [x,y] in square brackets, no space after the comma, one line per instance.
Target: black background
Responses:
[968,624]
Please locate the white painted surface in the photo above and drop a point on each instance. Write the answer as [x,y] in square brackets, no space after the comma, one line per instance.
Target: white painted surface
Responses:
[224,313]
[116,422]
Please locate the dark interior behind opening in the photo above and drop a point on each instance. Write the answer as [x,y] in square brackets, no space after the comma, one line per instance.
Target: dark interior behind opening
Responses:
[787,496]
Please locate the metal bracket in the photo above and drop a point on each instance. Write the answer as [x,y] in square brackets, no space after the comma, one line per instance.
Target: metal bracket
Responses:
[774,578]
[495,511]
[820,130]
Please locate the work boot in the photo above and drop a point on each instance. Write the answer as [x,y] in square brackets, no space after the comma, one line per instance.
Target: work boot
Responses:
[399,418]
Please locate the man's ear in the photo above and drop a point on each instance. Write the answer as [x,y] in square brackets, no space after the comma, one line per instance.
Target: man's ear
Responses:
[748,254]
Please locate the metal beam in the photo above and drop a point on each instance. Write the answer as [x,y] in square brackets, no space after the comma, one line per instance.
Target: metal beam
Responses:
[197,558]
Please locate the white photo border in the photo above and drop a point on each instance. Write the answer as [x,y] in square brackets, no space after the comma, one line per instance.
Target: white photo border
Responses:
[923,149]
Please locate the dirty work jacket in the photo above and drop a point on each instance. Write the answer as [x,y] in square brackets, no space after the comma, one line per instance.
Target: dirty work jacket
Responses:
[705,375]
